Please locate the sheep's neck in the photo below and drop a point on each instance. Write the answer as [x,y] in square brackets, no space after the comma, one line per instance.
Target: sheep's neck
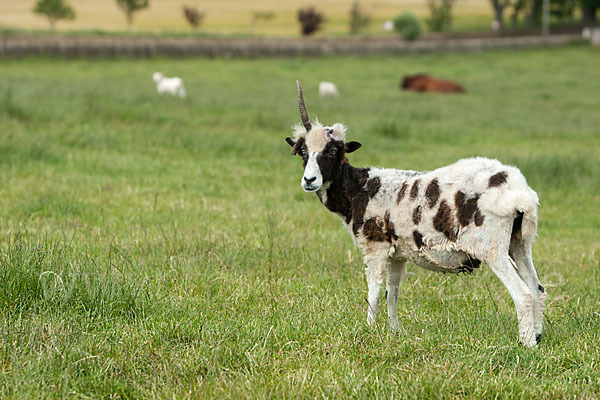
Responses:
[347,194]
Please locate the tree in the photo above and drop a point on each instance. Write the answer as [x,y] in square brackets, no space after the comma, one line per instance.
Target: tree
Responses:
[440,15]
[589,10]
[310,20]
[499,6]
[131,6]
[54,10]
[261,16]
[518,8]
[407,25]
[358,18]
[193,16]
[562,10]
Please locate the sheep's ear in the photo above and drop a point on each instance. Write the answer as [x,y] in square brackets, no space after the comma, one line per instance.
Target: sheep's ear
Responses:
[295,143]
[352,146]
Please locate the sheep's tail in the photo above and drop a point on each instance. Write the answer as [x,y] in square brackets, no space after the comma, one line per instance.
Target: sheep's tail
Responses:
[526,205]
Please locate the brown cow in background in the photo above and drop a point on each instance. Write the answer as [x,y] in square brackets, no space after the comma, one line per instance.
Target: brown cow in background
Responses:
[427,83]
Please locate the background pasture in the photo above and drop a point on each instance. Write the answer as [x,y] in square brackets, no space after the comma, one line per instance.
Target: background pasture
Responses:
[235,17]
[153,247]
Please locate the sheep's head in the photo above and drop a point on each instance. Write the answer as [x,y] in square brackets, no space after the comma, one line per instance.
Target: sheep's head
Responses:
[157,76]
[322,148]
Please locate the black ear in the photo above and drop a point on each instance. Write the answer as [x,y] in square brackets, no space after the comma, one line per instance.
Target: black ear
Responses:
[352,146]
[290,141]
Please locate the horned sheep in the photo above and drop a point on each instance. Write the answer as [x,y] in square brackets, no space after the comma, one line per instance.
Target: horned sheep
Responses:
[450,219]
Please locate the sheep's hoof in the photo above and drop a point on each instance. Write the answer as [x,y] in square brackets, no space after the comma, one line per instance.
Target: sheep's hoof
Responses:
[529,341]
[395,330]
[529,338]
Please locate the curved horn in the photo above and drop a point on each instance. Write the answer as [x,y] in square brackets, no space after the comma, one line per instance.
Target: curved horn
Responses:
[303,113]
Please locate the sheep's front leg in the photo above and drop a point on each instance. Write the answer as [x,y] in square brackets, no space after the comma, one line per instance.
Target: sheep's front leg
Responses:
[396,274]
[375,271]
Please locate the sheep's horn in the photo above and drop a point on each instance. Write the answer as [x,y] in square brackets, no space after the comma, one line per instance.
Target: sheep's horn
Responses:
[303,113]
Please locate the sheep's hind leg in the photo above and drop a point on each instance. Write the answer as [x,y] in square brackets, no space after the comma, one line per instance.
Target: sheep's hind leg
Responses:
[396,274]
[375,272]
[521,295]
[521,253]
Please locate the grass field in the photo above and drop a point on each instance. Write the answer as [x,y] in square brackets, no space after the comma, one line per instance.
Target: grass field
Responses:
[234,17]
[158,248]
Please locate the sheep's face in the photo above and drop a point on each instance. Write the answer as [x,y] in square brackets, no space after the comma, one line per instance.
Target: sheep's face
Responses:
[323,151]
[157,76]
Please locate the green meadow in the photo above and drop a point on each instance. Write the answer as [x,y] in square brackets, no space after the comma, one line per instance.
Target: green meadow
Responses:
[153,247]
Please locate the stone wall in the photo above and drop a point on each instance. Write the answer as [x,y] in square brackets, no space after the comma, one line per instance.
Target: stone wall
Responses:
[19,46]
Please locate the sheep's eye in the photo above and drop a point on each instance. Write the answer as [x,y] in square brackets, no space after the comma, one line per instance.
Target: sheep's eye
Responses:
[303,151]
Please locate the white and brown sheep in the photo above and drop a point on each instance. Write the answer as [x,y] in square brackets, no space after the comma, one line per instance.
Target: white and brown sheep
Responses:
[450,219]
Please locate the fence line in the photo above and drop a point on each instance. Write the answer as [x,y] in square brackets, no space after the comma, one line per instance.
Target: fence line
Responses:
[18,46]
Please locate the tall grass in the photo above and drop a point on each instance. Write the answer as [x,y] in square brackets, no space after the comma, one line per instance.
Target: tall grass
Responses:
[158,248]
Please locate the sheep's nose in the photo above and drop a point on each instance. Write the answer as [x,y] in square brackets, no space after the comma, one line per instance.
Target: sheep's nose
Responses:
[310,180]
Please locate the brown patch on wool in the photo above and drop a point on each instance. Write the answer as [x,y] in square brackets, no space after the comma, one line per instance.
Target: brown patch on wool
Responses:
[416,215]
[497,179]
[401,193]
[418,238]
[465,207]
[432,193]
[390,231]
[478,218]
[414,191]
[359,198]
[331,159]
[373,231]
[359,195]
[347,194]
[379,231]
[373,186]
[444,222]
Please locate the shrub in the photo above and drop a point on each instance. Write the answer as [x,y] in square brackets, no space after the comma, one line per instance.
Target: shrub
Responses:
[130,7]
[53,10]
[358,18]
[407,25]
[193,16]
[440,15]
[310,20]
[258,16]
[263,15]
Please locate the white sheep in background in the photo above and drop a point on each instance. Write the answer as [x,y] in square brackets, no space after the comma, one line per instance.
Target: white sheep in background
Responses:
[586,33]
[591,34]
[174,86]
[449,220]
[328,89]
